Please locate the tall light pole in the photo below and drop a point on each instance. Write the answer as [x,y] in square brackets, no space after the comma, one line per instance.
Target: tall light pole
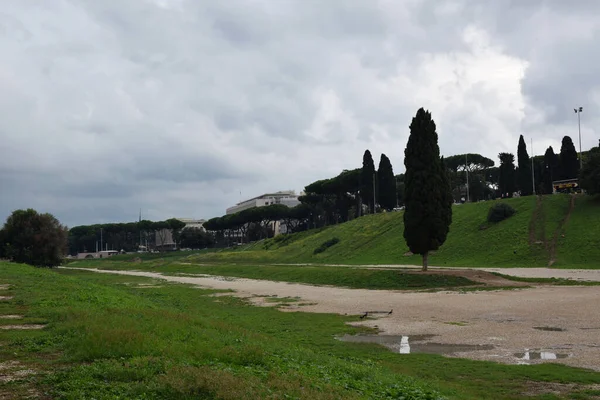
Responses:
[578,111]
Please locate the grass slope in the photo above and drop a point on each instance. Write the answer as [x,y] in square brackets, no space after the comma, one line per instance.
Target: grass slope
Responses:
[108,337]
[530,238]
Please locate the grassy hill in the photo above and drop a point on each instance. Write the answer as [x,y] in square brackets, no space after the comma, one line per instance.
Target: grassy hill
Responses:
[558,230]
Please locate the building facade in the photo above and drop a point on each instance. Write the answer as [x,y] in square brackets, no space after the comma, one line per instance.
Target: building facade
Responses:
[287,198]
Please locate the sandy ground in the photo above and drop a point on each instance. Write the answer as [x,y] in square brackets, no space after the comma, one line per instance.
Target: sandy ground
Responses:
[504,319]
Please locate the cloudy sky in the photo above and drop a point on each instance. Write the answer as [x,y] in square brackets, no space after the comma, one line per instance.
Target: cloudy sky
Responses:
[177,106]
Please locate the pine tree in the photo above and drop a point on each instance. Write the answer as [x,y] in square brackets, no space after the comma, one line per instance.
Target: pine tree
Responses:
[569,163]
[428,199]
[524,178]
[367,177]
[386,184]
[506,181]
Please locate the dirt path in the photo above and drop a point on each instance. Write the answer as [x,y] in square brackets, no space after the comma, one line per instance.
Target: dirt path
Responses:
[591,275]
[566,318]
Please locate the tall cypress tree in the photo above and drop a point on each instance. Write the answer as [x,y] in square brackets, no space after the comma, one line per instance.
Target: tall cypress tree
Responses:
[367,179]
[524,178]
[550,171]
[506,180]
[569,163]
[428,199]
[386,184]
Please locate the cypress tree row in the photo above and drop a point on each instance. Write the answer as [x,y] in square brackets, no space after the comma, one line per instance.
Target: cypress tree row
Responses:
[428,198]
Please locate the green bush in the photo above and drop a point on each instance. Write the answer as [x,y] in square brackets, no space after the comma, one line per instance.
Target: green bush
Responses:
[32,238]
[325,245]
[499,212]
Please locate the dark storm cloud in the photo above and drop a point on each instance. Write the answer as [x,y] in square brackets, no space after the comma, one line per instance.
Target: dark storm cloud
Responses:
[177,106]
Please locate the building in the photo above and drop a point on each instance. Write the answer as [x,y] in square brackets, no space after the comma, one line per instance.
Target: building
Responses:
[286,197]
[164,238]
[566,186]
[98,254]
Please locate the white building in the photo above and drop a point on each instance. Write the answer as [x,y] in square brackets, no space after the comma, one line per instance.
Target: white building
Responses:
[286,197]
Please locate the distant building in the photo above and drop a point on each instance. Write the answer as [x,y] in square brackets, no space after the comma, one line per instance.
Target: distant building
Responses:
[286,197]
[98,254]
[164,238]
[566,186]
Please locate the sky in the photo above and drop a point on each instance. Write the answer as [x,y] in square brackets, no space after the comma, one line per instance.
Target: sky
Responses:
[181,108]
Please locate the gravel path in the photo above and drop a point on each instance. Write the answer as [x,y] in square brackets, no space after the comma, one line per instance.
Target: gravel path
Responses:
[506,320]
[592,275]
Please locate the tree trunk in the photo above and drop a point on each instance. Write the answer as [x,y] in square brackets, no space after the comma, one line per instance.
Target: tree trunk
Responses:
[425,260]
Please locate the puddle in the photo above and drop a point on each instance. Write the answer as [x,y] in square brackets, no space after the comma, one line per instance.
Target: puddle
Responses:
[11,316]
[549,329]
[23,327]
[414,344]
[540,355]
[6,297]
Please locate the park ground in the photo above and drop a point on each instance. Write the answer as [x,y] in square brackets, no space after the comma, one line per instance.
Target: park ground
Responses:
[275,320]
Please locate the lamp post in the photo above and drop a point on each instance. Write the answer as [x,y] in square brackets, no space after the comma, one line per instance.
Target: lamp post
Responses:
[578,111]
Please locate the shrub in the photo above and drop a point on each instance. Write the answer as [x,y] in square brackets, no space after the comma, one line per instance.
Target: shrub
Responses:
[326,245]
[499,212]
[33,238]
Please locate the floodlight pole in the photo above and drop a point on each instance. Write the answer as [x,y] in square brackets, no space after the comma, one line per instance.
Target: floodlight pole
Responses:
[578,111]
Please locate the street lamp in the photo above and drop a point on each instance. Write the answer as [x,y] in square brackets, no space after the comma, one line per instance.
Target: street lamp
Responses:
[578,111]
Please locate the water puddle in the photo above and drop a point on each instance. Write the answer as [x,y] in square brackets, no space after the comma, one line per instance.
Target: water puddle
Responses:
[539,355]
[549,329]
[414,344]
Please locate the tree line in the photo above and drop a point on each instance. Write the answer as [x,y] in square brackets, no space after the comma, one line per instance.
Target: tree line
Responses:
[349,195]
[368,190]
[123,236]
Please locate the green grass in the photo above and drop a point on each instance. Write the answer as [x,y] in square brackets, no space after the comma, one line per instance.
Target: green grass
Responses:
[356,278]
[526,239]
[580,248]
[108,339]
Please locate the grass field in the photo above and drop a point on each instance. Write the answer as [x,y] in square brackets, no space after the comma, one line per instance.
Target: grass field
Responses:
[110,337]
[538,233]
